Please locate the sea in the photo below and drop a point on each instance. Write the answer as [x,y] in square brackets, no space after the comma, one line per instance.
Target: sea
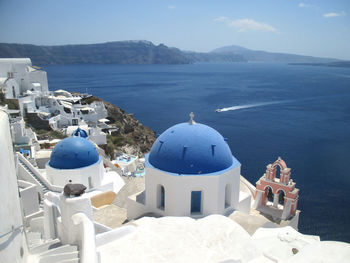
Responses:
[300,113]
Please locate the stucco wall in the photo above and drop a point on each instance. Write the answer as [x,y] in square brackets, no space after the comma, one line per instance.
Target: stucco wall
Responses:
[12,239]
[178,192]
[61,177]
[29,197]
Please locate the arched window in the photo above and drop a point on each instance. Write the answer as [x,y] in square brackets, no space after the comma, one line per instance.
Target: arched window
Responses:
[160,197]
[281,197]
[269,194]
[278,171]
[90,182]
[228,195]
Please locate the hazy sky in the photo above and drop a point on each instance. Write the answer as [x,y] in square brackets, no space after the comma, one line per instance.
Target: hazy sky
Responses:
[318,28]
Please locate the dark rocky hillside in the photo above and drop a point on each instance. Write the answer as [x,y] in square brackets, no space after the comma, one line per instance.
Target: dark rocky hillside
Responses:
[132,137]
[122,52]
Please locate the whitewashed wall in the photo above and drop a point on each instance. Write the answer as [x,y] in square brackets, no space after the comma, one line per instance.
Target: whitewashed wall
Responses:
[11,226]
[61,177]
[178,192]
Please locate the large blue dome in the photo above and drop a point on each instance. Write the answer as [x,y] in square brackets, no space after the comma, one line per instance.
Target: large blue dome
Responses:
[72,153]
[191,149]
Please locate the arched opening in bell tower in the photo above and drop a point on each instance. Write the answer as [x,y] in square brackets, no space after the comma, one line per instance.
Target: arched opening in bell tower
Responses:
[281,197]
[269,194]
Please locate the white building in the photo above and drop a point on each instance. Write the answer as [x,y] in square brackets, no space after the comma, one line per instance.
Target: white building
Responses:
[76,160]
[28,84]
[26,77]
[20,134]
[9,87]
[190,171]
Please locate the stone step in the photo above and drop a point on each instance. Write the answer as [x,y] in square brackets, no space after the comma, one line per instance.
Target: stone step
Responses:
[60,250]
[43,186]
[59,257]
[46,246]
[76,260]
[34,239]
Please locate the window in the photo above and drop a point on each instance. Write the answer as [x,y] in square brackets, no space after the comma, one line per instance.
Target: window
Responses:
[67,110]
[90,182]
[196,202]
[227,195]
[281,197]
[161,197]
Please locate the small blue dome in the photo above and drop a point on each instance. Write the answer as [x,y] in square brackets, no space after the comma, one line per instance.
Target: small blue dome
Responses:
[191,149]
[80,132]
[72,153]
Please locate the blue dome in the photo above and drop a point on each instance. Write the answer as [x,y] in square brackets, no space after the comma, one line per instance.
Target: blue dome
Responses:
[80,132]
[72,153]
[191,149]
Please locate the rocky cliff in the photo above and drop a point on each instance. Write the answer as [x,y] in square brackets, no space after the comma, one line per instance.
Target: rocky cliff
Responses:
[132,137]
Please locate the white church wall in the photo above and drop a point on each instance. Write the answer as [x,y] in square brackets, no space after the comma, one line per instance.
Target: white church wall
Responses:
[11,226]
[231,178]
[178,192]
[61,177]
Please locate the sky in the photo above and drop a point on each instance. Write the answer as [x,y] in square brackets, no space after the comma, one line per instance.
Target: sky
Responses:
[308,27]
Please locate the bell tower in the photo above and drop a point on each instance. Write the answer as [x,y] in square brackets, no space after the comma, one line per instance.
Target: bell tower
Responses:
[275,195]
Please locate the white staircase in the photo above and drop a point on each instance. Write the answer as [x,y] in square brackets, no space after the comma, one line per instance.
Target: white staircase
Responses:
[37,179]
[51,251]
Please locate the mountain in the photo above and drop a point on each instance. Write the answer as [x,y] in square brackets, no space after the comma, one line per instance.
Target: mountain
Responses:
[142,52]
[121,52]
[258,55]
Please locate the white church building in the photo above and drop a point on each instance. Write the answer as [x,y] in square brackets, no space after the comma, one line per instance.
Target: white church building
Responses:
[190,171]
[75,160]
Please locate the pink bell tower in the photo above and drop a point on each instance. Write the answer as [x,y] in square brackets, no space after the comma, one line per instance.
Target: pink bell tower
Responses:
[277,196]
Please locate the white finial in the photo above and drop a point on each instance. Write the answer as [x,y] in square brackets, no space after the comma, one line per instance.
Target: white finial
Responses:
[191,121]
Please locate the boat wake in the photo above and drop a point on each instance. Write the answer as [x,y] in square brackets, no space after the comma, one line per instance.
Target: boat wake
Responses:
[251,105]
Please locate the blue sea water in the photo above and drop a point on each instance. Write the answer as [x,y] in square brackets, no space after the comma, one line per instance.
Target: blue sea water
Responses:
[301,113]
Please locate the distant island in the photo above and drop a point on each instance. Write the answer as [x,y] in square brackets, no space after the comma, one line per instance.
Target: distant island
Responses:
[340,64]
[142,52]
[264,56]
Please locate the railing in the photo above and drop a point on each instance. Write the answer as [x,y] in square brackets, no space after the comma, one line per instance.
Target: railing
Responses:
[39,176]
[107,160]
[110,236]
[248,185]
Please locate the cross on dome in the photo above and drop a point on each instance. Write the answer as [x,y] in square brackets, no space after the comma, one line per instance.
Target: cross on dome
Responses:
[191,121]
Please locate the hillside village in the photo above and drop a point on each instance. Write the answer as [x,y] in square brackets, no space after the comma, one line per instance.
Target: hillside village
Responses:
[40,117]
